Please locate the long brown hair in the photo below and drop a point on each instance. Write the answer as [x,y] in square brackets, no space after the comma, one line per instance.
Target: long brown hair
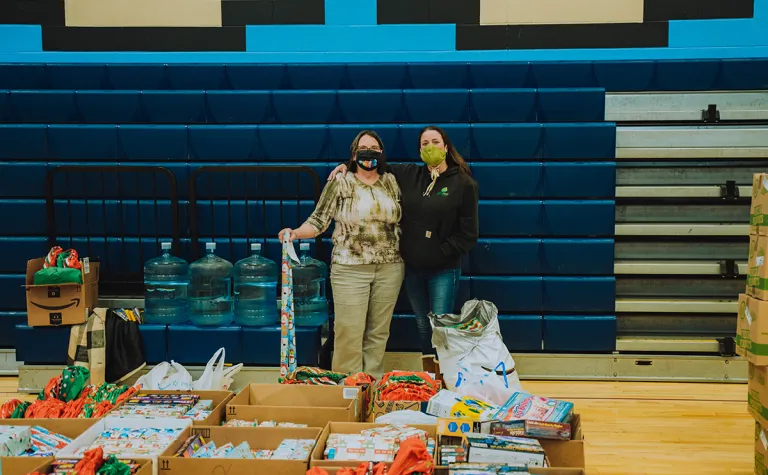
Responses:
[453,157]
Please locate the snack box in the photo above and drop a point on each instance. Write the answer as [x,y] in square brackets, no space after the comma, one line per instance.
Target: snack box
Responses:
[532,429]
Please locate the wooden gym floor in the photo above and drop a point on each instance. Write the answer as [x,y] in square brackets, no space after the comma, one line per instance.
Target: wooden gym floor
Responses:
[644,428]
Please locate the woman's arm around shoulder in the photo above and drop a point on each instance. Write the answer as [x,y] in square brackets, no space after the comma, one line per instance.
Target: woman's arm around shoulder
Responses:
[400,169]
[465,237]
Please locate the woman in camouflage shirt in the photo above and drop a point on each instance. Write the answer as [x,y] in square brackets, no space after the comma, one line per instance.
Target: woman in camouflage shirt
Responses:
[366,268]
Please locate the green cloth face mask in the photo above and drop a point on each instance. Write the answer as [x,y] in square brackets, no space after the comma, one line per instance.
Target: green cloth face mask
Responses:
[432,155]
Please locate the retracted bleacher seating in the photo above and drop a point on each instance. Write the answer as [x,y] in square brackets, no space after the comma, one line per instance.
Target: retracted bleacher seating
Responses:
[534,135]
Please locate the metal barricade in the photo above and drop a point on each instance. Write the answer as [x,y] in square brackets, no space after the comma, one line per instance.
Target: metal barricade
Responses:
[115,215]
[239,205]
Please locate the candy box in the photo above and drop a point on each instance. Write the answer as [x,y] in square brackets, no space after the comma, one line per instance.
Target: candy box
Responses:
[117,427]
[66,428]
[213,401]
[14,440]
[487,448]
[532,429]
[448,404]
[534,408]
[263,442]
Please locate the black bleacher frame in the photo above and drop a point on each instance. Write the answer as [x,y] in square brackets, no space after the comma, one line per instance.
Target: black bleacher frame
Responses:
[245,170]
[114,280]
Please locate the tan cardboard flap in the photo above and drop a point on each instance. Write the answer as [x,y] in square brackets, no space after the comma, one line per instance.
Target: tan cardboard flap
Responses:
[310,405]
[300,395]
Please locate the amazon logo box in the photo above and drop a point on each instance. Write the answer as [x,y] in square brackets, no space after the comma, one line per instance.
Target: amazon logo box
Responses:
[63,304]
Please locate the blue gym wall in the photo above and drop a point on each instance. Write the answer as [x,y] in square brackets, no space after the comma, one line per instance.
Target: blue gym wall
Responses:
[351,30]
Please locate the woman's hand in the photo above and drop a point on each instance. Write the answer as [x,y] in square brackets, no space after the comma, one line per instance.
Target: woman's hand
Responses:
[291,233]
[340,169]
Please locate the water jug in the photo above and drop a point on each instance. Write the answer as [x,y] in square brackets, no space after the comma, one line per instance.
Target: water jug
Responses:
[166,281]
[210,288]
[309,302]
[256,290]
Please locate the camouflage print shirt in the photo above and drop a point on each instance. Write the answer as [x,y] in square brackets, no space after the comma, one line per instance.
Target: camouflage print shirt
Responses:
[367,219]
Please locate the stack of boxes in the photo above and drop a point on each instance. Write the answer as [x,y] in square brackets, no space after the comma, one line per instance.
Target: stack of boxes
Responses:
[752,326]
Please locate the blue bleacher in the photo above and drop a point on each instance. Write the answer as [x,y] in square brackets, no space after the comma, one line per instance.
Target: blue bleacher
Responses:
[8,322]
[459,106]
[640,75]
[580,333]
[533,134]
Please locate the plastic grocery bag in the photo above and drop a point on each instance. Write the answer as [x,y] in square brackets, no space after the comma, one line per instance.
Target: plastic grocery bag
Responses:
[167,376]
[495,386]
[473,339]
[215,376]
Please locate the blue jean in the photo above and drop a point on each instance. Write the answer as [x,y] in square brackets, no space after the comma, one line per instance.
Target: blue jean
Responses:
[430,291]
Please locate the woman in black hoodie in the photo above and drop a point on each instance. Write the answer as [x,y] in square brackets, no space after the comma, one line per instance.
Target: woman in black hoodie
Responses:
[439,226]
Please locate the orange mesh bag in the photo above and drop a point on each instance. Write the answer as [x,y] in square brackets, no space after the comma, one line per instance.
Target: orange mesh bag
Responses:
[407,386]
[412,458]
[91,462]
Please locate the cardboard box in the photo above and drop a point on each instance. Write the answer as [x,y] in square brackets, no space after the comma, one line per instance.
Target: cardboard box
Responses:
[757,396]
[263,438]
[757,268]
[66,304]
[90,435]
[560,453]
[379,408]
[297,403]
[318,459]
[71,428]
[752,330]
[145,468]
[219,398]
[761,448]
[758,212]
[376,407]
[566,457]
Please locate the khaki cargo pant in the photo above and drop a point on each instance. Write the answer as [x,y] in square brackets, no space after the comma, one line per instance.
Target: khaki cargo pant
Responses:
[364,298]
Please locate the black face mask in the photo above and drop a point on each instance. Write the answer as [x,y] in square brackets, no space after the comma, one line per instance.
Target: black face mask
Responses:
[368,156]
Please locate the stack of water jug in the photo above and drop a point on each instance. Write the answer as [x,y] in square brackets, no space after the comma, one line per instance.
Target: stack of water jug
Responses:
[201,292]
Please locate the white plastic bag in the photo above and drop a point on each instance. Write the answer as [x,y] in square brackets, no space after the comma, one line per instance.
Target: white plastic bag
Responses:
[494,387]
[215,377]
[406,417]
[167,376]
[474,349]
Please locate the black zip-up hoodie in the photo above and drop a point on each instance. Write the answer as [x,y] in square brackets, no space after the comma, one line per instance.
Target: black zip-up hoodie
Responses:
[439,228]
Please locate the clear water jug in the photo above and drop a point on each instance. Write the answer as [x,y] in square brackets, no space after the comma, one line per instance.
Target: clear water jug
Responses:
[255,280]
[210,288]
[166,281]
[309,302]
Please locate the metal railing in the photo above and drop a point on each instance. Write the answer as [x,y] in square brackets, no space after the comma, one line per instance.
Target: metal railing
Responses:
[244,204]
[115,215]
